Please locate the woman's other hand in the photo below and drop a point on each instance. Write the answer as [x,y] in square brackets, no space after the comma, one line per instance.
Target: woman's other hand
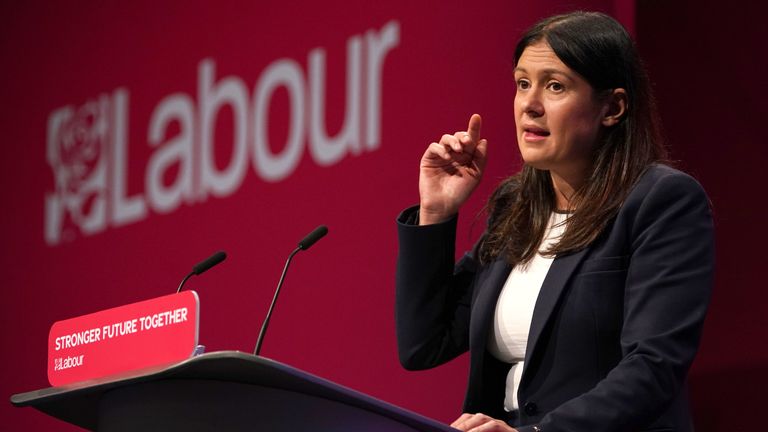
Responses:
[480,422]
[450,171]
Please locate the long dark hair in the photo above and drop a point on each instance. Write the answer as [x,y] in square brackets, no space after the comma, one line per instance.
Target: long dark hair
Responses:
[599,49]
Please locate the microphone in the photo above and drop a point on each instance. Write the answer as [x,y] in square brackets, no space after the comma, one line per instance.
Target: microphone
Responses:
[209,262]
[304,244]
[203,266]
[313,237]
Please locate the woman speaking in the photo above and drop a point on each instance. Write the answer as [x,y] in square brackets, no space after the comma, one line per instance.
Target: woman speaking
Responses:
[582,303]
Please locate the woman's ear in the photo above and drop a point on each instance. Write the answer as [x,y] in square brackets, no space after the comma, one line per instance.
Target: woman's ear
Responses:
[616,107]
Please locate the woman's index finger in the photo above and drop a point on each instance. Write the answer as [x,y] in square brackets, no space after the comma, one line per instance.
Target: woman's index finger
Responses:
[473,129]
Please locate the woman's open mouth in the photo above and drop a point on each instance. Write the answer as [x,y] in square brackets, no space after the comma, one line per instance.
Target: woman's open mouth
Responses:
[534,134]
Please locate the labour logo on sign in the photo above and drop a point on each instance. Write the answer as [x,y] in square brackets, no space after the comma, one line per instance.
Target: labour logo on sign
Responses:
[87,146]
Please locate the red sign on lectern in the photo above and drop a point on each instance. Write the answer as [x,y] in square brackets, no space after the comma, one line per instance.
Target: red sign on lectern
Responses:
[149,333]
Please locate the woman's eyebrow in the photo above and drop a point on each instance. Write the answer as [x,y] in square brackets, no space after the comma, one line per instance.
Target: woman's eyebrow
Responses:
[546,71]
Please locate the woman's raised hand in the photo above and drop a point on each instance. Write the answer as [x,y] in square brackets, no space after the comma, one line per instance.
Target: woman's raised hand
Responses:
[450,171]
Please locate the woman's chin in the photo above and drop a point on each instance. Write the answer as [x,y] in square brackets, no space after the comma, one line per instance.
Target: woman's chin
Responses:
[536,162]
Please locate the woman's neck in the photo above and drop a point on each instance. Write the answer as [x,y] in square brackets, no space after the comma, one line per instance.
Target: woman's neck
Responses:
[565,187]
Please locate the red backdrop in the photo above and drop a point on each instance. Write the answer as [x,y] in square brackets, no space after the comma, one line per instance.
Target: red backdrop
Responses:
[139,138]
[708,62]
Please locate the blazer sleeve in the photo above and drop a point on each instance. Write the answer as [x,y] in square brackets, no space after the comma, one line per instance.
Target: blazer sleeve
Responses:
[432,297]
[667,292]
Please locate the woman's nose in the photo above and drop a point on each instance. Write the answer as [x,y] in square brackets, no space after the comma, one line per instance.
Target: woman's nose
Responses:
[530,103]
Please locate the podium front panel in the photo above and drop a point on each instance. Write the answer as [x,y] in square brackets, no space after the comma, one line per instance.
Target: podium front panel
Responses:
[209,405]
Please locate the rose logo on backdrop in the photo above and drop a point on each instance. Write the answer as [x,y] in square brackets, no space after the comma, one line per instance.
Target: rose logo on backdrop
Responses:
[87,146]
[76,152]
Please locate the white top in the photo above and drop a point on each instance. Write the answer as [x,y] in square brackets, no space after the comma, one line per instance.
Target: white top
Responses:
[514,309]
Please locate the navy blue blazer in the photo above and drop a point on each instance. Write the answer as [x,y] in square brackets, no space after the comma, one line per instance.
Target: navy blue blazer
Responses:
[615,327]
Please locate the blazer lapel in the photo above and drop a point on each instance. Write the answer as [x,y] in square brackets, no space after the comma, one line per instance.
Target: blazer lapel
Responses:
[554,283]
[484,306]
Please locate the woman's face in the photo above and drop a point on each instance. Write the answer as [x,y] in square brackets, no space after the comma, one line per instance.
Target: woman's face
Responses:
[558,116]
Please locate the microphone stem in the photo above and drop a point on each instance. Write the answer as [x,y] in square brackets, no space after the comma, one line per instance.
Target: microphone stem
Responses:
[183,281]
[274,300]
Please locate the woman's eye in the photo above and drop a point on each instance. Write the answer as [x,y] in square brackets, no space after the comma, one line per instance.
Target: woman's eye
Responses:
[555,86]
